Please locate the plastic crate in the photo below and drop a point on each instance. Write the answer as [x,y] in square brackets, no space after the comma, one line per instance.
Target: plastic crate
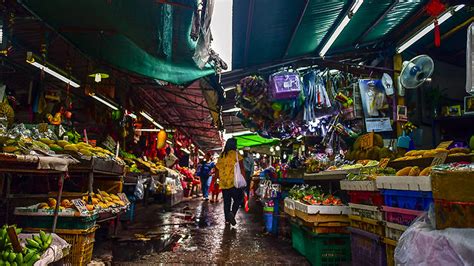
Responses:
[368,225]
[327,249]
[454,214]
[318,219]
[390,246]
[297,238]
[415,183]
[413,200]
[366,197]
[366,211]
[359,185]
[64,222]
[394,231]
[367,248]
[82,244]
[324,228]
[321,209]
[400,216]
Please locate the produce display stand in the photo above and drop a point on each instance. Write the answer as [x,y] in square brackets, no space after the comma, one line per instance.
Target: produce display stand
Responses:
[425,162]
[94,168]
[30,164]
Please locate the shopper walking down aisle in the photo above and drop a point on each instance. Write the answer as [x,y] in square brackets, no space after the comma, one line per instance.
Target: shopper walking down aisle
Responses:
[249,165]
[225,171]
[204,172]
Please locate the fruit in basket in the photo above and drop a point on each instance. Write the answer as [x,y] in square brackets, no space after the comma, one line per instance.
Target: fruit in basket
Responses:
[43,205]
[426,171]
[10,149]
[66,203]
[52,202]
[62,143]
[404,172]
[46,141]
[55,148]
[71,147]
[414,171]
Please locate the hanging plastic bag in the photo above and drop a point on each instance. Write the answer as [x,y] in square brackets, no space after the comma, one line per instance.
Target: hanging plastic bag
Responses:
[239,180]
[139,188]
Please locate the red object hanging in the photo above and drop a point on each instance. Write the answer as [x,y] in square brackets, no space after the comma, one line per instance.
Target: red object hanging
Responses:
[434,8]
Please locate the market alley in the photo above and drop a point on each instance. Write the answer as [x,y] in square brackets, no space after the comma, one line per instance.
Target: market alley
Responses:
[194,233]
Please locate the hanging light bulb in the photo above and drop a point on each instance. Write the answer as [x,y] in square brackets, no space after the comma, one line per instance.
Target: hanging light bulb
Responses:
[277,148]
[97,78]
[272,149]
[99,75]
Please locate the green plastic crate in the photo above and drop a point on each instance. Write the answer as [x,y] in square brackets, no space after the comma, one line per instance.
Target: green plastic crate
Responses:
[64,222]
[327,249]
[297,238]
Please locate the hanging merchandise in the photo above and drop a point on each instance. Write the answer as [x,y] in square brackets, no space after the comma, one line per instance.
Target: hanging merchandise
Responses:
[373,97]
[315,93]
[284,85]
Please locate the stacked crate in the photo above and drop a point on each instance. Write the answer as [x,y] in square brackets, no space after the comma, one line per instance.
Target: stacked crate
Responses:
[453,198]
[405,199]
[319,232]
[366,222]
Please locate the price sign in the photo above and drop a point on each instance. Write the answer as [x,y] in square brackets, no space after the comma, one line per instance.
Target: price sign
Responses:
[123,198]
[367,141]
[444,144]
[439,158]
[80,206]
[384,162]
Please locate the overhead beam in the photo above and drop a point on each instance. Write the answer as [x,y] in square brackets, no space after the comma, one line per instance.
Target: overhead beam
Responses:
[293,34]
[375,24]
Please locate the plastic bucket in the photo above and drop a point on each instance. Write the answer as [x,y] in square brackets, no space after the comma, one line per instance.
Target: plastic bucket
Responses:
[268,218]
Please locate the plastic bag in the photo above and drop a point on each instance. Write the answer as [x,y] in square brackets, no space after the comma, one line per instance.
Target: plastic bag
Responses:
[239,180]
[422,245]
[140,188]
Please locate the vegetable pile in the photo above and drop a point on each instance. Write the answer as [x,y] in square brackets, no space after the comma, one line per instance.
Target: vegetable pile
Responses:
[313,196]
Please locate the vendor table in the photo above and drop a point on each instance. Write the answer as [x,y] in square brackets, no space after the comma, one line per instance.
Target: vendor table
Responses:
[34,164]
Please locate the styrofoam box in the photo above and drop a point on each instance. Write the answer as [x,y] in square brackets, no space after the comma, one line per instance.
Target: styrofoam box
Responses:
[367,211]
[289,203]
[321,209]
[362,185]
[414,183]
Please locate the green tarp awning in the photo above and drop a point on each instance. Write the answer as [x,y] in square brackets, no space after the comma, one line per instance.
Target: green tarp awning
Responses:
[251,140]
[143,37]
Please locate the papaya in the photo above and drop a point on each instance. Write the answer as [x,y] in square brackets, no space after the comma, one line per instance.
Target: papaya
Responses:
[426,171]
[414,171]
[10,149]
[161,143]
[404,172]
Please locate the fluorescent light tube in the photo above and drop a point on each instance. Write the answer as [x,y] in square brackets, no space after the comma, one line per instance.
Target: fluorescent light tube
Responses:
[355,7]
[169,142]
[132,115]
[186,150]
[232,110]
[445,16]
[113,107]
[31,60]
[147,129]
[149,118]
[201,152]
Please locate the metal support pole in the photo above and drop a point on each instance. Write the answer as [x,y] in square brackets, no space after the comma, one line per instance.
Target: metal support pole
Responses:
[58,201]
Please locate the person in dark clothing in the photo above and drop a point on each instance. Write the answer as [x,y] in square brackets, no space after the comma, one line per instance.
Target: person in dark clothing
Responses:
[204,172]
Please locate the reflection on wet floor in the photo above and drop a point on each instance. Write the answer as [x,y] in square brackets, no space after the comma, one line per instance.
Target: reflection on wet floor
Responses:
[195,233]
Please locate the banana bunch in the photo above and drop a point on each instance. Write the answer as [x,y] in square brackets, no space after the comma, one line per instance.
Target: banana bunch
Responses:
[105,200]
[28,256]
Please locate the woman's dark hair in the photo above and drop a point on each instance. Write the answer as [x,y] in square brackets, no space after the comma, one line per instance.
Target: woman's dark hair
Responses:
[230,145]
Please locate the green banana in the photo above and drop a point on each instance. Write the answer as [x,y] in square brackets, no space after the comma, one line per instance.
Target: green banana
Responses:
[43,236]
[12,257]
[5,255]
[19,258]
[7,263]
[15,263]
[32,243]
[29,256]
[38,240]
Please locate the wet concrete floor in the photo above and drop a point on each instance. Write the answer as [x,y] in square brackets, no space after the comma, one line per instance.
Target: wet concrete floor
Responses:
[194,232]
